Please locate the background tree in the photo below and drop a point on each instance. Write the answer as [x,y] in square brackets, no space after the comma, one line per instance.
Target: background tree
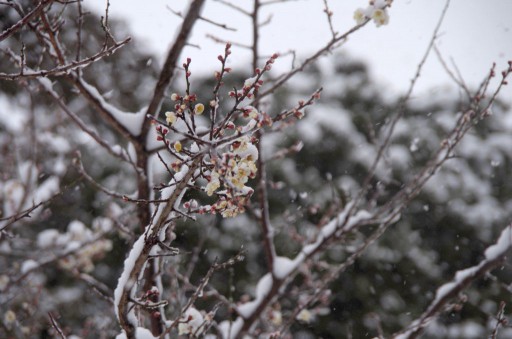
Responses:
[243,203]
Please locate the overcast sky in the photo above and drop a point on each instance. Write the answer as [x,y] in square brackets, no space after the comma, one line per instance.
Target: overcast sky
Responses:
[474,34]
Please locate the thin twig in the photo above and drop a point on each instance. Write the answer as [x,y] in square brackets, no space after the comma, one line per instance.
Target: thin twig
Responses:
[23,21]
[64,70]
[56,326]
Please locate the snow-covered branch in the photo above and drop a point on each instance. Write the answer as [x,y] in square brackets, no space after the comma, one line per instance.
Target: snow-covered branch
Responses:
[494,256]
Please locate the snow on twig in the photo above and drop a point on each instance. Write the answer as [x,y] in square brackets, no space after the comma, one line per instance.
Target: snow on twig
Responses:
[132,122]
[494,256]
[270,284]
[142,248]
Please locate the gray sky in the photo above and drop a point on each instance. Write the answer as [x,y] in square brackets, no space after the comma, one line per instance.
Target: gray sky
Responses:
[474,34]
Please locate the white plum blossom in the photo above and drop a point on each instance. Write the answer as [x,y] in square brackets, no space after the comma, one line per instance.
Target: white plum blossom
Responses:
[360,16]
[199,109]
[305,316]
[380,17]
[376,11]
[170,117]
[4,281]
[276,317]
[251,112]
[213,184]
[9,317]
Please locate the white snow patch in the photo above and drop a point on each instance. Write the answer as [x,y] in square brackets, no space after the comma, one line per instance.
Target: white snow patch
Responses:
[262,289]
[491,253]
[46,189]
[502,245]
[28,265]
[124,282]
[47,238]
[140,333]
[283,267]
[131,121]
[13,117]
[230,330]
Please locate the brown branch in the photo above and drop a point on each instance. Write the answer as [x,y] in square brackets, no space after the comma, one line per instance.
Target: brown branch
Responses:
[458,81]
[54,258]
[172,58]
[223,41]
[235,7]
[327,48]
[400,113]
[266,227]
[94,98]
[81,124]
[223,26]
[153,230]
[61,60]
[204,282]
[271,2]
[500,320]
[25,213]
[80,168]
[64,69]
[56,326]
[103,290]
[29,16]
[329,14]
[153,109]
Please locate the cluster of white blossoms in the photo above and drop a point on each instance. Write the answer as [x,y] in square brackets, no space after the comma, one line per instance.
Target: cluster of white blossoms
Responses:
[229,167]
[376,11]
[83,244]
[230,173]
[226,148]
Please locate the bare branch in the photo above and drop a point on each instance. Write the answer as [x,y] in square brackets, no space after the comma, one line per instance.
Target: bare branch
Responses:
[56,326]
[235,7]
[36,11]
[64,69]
[171,60]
